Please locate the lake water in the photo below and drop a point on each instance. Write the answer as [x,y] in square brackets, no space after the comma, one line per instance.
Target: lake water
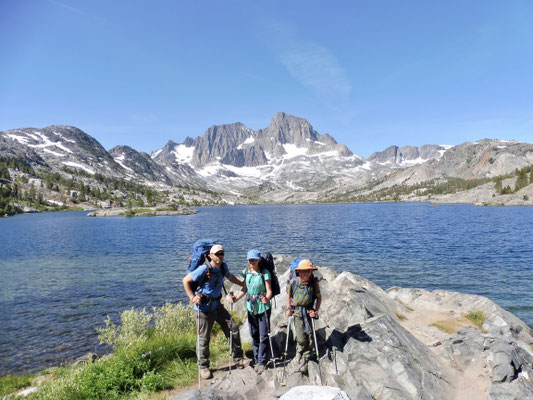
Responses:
[63,273]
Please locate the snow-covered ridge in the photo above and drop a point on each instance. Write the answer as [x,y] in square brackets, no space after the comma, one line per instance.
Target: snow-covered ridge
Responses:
[44,144]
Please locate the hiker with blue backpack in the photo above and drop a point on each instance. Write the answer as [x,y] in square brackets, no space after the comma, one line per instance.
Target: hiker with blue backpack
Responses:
[258,290]
[203,284]
[303,303]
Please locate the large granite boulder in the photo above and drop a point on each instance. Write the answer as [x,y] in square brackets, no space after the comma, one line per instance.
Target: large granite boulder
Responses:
[385,345]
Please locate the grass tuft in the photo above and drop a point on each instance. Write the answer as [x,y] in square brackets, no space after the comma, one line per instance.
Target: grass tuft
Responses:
[477,318]
[447,325]
[401,317]
[10,384]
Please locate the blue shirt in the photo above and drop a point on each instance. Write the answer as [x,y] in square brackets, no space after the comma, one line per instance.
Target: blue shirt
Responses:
[212,287]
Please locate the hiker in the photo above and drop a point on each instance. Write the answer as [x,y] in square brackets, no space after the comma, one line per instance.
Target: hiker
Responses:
[258,290]
[207,304]
[301,295]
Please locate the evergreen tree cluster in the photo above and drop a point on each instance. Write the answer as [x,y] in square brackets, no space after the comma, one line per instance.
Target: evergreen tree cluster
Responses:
[94,188]
[522,181]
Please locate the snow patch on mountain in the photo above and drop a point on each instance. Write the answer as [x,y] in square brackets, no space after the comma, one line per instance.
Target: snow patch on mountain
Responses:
[156,153]
[316,142]
[119,160]
[325,154]
[249,141]
[54,153]
[63,137]
[293,151]
[20,139]
[81,166]
[209,170]
[183,154]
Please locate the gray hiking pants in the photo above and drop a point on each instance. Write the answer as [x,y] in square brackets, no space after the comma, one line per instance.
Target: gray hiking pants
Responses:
[207,319]
[304,341]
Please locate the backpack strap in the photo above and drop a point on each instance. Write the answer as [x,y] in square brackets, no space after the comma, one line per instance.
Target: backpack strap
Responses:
[263,278]
[205,276]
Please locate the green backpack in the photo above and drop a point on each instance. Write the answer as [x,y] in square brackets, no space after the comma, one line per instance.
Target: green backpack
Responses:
[303,294]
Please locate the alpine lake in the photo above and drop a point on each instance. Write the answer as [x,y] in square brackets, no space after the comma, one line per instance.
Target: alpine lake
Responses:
[63,273]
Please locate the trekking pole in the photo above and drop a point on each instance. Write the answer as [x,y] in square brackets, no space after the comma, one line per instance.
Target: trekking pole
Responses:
[335,358]
[198,348]
[231,334]
[286,348]
[270,340]
[316,348]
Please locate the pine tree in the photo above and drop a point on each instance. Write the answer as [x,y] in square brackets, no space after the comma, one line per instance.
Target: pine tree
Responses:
[498,185]
[521,180]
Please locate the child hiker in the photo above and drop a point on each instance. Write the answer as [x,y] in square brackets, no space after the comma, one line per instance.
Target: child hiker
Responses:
[301,296]
[258,290]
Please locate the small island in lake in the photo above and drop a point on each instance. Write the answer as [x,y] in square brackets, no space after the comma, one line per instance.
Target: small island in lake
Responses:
[143,212]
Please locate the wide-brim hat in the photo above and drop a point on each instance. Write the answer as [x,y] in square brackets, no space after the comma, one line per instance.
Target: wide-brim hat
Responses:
[305,265]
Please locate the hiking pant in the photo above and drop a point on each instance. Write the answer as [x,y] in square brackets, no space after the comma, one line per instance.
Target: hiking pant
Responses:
[259,332]
[304,341]
[223,318]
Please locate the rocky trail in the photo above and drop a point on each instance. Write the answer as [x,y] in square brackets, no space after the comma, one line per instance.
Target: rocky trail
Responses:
[395,344]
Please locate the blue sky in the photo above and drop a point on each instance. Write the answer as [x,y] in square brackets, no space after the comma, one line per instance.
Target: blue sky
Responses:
[370,73]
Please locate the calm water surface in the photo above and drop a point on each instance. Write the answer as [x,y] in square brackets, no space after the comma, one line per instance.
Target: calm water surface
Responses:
[63,273]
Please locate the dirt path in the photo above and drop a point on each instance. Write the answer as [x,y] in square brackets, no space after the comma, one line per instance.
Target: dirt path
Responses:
[428,325]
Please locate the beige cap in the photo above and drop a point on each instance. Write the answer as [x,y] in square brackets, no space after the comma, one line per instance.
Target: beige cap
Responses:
[305,265]
[216,248]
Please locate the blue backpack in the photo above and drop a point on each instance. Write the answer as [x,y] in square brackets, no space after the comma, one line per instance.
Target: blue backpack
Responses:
[200,249]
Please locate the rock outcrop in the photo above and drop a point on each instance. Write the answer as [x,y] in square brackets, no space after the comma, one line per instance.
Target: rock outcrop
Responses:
[144,212]
[382,345]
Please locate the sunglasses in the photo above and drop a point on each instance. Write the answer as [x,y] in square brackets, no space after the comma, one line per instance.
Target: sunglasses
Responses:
[219,254]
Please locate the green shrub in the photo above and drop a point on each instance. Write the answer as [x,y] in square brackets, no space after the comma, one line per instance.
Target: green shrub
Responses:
[477,317]
[151,352]
[13,383]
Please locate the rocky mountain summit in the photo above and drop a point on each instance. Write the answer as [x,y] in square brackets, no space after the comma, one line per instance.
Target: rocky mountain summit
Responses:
[395,344]
[287,155]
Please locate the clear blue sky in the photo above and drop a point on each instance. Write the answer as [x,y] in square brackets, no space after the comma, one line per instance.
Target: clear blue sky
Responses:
[370,73]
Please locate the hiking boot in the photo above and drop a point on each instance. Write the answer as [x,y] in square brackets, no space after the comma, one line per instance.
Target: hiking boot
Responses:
[259,368]
[205,373]
[240,363]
